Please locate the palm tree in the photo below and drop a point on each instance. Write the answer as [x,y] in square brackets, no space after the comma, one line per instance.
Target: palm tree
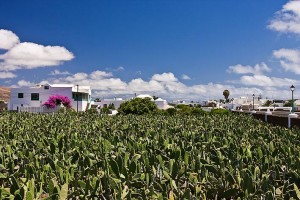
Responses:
[226,94]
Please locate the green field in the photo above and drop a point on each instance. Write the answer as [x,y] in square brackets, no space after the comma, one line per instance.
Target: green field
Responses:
[88,156]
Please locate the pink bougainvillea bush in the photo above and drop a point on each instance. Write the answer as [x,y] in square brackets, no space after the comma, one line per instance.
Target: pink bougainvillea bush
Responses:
[57,100]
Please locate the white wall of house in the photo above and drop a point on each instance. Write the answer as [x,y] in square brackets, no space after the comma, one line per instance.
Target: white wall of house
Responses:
[161,103]
[82,105]
[206,102]
[38,95]
[106,102]
[176,102]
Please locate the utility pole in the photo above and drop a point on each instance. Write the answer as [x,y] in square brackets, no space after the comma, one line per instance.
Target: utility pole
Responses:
[253,101]
[77,96]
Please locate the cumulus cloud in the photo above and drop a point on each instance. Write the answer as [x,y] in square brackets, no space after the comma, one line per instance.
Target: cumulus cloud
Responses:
[98,80]
[6,75]
[164,77]
[8,39]
[287,20]
[266,81]
[185,77]
[167,86]
[120,68]
[76,77]
[6,67]
[139,85]
[24,83]
[28,55]
[100,74]
[289,59]
[247,69]
[56,72]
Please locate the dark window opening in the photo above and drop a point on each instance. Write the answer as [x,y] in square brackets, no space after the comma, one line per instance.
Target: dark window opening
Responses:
[35,96]
[20,95]
[80,96]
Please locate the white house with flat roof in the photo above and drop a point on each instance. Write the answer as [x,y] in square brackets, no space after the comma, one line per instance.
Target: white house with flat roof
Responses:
[245,103]
[106,102]
[161,103]
[35,97]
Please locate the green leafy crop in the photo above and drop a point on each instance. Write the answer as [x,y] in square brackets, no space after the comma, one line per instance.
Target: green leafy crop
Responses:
[85,156]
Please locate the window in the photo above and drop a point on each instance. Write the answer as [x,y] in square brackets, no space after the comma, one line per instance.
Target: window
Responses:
[76,96]
[46,87]
[20,95]
[35,96]
[84,96]
[79,96]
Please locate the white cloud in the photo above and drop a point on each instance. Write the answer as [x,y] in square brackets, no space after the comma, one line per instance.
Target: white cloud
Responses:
[8,39]
[103,84]
[76,77]
[57,72]
[164,77]
[120,68]
[289,59]
[100,74]
[139,85]
[6,75]
[167,86]
[287,20]
[29,55]
[185,77]
[6,67]
[98,80]
[24,83]
[265,81]
[247,69]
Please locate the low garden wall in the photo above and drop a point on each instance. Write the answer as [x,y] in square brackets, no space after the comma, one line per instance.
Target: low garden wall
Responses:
[276,120]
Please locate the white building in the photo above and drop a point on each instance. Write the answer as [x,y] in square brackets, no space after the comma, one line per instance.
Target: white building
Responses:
[246,103]
[188,103]
[207,102]
[35,97]
[161,103]
[106,102]
[179,102]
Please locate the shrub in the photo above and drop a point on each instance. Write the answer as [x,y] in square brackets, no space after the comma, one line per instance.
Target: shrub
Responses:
[105,110]
[198,111]
[220,111]
[182,106]
[92,111]
[138,106]
[171,111]
[57,100]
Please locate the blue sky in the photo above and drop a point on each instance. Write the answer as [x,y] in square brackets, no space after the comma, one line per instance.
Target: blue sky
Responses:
[173,49]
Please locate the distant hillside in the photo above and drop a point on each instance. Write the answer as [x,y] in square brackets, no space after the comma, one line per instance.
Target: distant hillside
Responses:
[4,93]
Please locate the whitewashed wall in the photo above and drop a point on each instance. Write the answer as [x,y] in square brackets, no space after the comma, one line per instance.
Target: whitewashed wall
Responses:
[44,95]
